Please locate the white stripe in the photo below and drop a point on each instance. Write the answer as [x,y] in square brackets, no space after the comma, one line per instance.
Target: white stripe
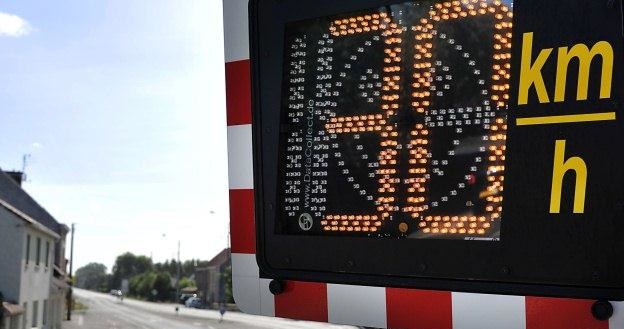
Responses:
[246,283]
[477,311]
[246,291]
[251,294]
[617,321]
[245,265]
[356,305]
[267,300]
[236,30]
[240,157]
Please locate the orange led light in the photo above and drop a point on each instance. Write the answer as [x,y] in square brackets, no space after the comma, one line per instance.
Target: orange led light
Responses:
[376,122]
[498,94]
[421,101]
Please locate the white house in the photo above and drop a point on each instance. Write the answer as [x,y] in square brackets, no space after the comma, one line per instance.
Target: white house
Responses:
[27,266]
[32,278]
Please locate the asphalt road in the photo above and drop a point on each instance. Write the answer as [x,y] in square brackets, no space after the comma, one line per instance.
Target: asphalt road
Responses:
[106,312]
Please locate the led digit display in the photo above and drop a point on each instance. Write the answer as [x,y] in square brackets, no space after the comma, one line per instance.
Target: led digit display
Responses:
[393,122]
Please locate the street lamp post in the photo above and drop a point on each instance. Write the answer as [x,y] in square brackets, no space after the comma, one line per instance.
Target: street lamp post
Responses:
[71,275]
[178,276]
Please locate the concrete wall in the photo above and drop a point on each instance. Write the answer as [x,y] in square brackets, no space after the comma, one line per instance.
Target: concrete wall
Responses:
[11,252]
[56,311]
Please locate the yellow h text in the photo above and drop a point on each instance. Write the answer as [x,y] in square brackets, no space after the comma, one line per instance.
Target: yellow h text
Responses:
[560,168]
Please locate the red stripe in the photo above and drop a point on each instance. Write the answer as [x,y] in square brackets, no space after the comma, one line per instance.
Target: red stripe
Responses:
[242,225]
[418,309]
[302,301]
[550,313]
[238,91]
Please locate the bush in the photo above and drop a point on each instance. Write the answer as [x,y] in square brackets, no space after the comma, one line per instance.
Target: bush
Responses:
[186,282]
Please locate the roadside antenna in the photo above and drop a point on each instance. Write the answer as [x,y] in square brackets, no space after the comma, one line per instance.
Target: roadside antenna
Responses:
[25,159]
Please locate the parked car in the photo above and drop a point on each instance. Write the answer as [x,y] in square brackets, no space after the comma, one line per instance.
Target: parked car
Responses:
[185,297]
[194,302]
[116,293]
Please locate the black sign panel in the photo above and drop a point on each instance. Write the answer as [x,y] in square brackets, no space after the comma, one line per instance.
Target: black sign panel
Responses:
[440,144]
[383,136]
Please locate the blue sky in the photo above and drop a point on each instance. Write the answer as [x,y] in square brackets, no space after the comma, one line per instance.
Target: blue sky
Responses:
[121,105]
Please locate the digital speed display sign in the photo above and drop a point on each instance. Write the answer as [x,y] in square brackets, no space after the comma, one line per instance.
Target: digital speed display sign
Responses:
[454,145]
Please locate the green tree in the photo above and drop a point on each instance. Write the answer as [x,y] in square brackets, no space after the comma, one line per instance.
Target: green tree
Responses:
[127,266]
[186,282]
[141,285]
[226,276]
[162,286]
[187,268]
[92,277]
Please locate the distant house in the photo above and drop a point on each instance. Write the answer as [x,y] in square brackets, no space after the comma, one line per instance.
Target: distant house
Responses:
[33,280]
[210,281]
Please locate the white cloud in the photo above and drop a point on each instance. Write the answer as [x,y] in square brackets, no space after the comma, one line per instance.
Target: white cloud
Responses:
[13,26]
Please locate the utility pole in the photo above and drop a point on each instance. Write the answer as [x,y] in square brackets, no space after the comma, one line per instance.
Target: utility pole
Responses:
[179,270]
[71,274]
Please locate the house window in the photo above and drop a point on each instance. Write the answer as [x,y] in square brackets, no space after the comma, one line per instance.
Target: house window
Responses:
[47,254]
[35,314]
[44,321]
[25,315]
[27,249]
[38,259]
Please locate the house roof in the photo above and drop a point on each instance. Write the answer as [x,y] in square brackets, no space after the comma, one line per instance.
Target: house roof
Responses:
[188,290]
[220,259]
[33,223]
[217,261]
[14,195]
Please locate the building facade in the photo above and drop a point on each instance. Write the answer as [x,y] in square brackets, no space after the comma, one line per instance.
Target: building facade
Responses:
[33,280]
[210,279]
